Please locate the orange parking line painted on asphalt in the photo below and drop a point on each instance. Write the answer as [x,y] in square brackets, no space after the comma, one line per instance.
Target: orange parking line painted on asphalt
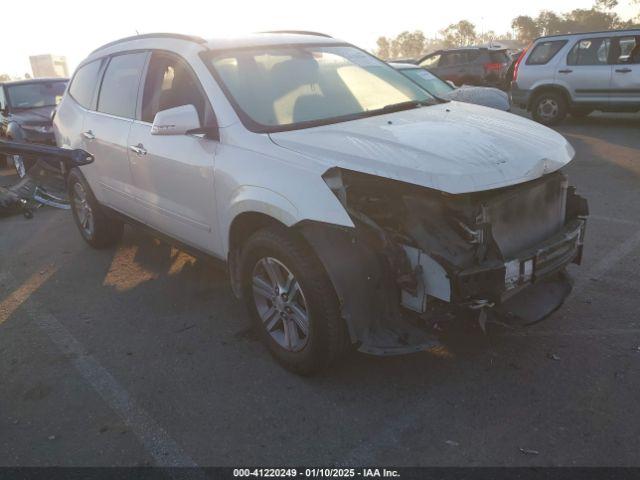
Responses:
[16,298]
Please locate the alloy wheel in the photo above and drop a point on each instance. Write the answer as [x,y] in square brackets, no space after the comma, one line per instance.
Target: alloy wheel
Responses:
[281,304]
[83,209]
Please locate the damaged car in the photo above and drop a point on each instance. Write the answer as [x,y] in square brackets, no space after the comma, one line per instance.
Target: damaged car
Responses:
[350,207]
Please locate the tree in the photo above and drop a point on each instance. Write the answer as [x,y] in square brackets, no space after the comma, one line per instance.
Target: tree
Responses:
[384,48]
[409,44]
[459,34]
[4,77]
[550,23]
[605,5]
[526,28]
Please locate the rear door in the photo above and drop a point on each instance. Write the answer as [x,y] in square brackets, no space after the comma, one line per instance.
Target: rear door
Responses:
[625,78]
[173,174]
[586,71]
[106,131]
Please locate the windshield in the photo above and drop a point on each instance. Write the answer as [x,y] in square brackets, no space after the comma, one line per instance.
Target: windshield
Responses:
[428,81]
[281,88]
[35,95]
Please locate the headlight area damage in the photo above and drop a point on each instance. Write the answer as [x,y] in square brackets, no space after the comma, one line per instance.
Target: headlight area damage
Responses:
[417,256]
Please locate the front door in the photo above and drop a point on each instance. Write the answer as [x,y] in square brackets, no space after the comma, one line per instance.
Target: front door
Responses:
[625,78]
[106,131]
[173,174]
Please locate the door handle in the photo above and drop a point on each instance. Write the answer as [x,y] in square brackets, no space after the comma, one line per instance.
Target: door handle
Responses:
[568,70]
[623,70]
[88,135]
[138,149]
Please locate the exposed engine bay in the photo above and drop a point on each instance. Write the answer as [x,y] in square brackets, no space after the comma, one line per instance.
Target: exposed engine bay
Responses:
[498,254]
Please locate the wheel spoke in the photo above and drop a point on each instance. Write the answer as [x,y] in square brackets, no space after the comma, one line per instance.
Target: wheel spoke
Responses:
[272,270]
[290,335]
[301,319]
[270,318]
[262,288]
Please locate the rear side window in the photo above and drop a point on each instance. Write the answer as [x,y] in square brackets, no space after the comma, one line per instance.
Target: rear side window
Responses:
[543,52]
[592,51]
[84,83]
[499,57]
[119,90]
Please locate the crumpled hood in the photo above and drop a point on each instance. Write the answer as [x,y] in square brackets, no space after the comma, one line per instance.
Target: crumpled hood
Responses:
[33,116]
[452,147]
[486,96]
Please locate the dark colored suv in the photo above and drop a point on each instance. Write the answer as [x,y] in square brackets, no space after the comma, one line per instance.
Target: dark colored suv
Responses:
[469,66]
[25,113]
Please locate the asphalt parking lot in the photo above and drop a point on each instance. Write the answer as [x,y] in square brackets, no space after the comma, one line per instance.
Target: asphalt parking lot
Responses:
[141,355]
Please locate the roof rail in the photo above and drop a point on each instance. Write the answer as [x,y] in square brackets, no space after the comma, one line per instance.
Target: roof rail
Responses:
[622,30]
[177,36]
[299,32]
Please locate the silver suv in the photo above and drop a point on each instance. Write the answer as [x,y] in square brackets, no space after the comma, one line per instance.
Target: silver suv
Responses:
[577,74]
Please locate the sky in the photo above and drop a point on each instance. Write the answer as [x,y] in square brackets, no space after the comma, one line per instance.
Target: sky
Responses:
[74,28]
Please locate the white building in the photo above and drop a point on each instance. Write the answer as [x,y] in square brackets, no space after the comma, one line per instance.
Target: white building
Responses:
[49,66]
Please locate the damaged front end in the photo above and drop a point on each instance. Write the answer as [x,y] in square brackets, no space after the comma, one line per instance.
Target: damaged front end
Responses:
[418,256]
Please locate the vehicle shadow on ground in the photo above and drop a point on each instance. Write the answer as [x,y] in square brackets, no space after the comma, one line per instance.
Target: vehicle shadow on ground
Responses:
[177,287]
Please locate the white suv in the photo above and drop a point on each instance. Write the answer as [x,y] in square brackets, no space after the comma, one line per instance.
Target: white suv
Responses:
[350,206]
[577,74]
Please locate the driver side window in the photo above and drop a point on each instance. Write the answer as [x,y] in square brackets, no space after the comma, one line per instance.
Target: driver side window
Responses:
[171,83]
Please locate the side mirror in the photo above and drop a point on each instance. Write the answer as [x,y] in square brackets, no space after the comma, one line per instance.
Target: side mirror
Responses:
[176,121]
[451,84]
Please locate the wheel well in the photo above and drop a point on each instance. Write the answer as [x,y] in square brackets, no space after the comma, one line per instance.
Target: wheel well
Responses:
[245,225]
[549,88]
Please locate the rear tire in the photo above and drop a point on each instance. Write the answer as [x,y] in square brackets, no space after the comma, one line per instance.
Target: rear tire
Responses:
[97,229]
[549,108]
[306,292]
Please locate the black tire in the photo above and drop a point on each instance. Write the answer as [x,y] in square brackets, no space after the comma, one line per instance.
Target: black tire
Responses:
[549,108]
[327,338]
[580,112]
[106,231]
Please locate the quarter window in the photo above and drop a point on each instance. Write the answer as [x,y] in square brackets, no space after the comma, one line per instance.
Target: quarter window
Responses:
[593,51]
[119,91]
[170,83]
[543,52]
[84,83]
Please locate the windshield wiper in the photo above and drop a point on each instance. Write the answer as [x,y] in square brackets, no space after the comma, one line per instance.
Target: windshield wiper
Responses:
[396,107]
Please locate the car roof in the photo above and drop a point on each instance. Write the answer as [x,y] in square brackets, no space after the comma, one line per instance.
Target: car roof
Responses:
[602,33]
[35,80]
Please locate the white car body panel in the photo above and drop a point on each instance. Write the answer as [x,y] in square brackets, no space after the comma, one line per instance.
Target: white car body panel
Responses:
[453,147]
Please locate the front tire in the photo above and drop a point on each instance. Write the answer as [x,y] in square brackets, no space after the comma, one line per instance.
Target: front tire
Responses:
[549,108]
[97,229]
[292,301]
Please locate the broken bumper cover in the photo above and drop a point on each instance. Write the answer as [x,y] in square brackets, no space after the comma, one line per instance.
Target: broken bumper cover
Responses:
[523,290]
[497,283]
